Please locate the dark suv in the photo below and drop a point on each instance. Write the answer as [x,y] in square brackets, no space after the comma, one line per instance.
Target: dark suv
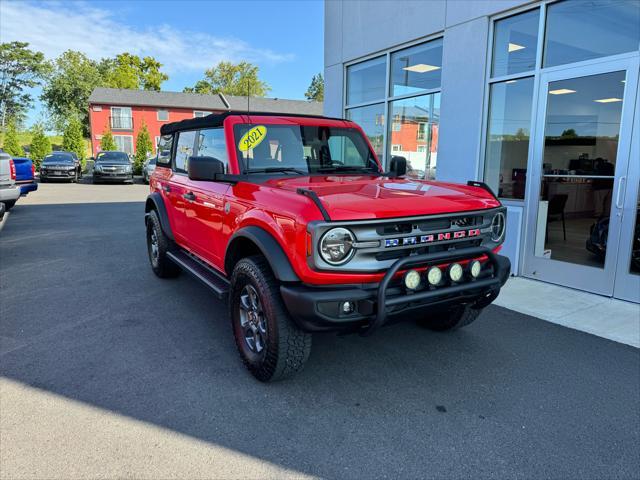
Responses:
[60,166]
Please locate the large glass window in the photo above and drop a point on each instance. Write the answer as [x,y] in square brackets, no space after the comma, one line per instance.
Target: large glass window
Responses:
[515,41]
[366,81]
[124,143]
[371,119]
[413,133]
[508,137]
[184,149]
[416,69]
[579,30]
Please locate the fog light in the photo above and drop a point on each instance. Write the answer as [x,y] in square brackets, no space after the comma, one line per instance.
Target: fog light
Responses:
[455,272]
[412,279]
[348,307]
[474,267]
[434,276]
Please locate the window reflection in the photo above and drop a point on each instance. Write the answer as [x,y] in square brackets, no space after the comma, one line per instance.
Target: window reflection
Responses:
[634,264]
[417,68]
[371,119]
[414,133]
[508,137]
[578,30]
[581,142]
[515,44]
[366,81]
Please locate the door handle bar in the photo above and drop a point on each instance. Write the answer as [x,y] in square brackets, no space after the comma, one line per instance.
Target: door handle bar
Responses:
[190,196]
[620,194]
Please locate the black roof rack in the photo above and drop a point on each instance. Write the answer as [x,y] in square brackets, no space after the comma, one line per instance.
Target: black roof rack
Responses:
[216,120]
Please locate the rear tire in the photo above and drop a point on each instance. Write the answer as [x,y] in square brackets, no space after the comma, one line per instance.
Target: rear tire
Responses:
[8,204]
[157,247]
[452,319]
[271,345]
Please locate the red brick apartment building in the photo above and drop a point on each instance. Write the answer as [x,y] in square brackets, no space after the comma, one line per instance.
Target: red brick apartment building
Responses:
[124,111]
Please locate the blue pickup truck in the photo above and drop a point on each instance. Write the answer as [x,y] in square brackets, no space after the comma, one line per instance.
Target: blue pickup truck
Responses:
[25,175]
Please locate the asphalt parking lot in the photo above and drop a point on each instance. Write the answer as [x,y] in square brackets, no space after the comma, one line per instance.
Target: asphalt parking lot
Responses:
[107,371]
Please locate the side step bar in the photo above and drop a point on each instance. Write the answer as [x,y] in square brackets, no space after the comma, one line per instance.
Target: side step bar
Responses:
[207,275]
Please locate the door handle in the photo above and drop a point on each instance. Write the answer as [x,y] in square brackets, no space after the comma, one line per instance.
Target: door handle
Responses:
[620,195]
[189,196]
[166,188]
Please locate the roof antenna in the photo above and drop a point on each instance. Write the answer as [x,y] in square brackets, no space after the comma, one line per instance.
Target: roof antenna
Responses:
[248,94]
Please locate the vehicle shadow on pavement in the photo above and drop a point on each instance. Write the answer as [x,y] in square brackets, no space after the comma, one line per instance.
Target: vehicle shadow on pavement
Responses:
[84,317]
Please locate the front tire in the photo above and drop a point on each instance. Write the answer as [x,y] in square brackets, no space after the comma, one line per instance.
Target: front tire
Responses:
[157,247]
[452,319]
[271,345]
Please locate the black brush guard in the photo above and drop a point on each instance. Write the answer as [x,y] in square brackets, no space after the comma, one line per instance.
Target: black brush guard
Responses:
[484,289]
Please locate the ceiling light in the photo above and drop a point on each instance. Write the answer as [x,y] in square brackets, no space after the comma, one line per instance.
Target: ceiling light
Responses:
[608,100]
[514,47]
[561,91]
[421,68]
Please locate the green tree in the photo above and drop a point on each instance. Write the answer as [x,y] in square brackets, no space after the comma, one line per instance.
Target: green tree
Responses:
[231,79]
[20,69]
[144,147]
[66,93]
[132,72]
[10,143]
[315,91]
[72,139]
[40,145]
[107,142]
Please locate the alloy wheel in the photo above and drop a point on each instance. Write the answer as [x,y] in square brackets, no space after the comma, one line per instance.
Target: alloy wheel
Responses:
[252,320]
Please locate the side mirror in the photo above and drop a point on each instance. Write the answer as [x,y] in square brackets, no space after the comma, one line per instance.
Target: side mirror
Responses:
[398,166]
[204,168]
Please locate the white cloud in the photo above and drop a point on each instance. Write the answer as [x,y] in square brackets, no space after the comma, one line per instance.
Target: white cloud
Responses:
[54,27]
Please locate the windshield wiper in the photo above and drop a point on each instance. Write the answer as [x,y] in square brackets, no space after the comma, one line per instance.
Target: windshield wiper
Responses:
[348,168]
[276,170]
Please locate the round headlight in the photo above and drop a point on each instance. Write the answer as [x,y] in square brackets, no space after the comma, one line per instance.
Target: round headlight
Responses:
[474,268]
[434,276]
[455,272]
[336,246]
[497,227]
[412,279]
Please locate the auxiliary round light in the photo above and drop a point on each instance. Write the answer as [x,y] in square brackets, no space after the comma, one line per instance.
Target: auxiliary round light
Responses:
[474,267]
[412,279]
[434,276]
[455,272]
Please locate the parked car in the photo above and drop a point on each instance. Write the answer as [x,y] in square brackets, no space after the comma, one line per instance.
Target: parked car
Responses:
[9,191]
[25,175]
[112,166]
[59,166]
[148,168]
[296,224]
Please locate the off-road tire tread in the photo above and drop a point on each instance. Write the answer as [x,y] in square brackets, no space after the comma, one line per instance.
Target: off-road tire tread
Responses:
[166,268]
[293,345]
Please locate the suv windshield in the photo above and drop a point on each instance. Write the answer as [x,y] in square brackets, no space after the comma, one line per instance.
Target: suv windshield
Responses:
[112,157]
[57,158]
[301,149]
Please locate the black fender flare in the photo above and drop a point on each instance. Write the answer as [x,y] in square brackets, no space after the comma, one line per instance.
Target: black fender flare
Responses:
[269,247]
[156,202]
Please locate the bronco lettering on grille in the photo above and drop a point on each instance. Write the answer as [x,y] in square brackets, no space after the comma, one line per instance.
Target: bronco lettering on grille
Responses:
[438,237]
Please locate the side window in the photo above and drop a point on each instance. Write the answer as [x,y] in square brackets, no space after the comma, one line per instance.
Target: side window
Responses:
[211,143]
[184,150]
[164,150]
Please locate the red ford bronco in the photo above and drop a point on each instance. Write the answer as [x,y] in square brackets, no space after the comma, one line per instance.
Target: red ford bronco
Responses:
[293,219]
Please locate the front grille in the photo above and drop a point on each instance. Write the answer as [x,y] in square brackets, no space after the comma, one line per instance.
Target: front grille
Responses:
[391,239]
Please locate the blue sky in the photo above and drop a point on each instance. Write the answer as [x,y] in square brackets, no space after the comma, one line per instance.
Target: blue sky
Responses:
[284,38]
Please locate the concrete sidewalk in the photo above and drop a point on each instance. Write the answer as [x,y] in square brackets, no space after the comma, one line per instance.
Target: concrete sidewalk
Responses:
[602,316]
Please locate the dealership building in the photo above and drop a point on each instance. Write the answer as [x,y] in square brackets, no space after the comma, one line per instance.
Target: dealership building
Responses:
[537,99]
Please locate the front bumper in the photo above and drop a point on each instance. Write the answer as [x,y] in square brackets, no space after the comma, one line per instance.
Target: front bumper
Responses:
[57,174]
[112,177]
[318,308]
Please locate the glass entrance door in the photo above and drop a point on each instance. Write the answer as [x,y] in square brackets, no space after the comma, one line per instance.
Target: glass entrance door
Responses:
[580,171]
